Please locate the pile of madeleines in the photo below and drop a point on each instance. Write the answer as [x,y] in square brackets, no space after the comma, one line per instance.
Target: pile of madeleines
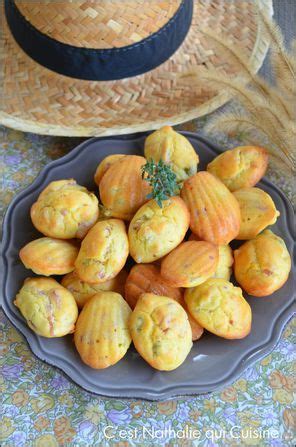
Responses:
[180,283]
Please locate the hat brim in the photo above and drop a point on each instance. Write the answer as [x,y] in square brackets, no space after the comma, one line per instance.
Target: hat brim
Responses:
[35,99]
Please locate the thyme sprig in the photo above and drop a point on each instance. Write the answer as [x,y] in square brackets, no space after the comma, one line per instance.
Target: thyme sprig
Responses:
[162,180]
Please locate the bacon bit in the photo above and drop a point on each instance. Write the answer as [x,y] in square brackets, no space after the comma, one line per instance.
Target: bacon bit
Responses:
[56,298]
[267,272]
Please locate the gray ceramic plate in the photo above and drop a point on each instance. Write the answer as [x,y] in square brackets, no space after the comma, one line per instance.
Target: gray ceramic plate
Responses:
[212,363]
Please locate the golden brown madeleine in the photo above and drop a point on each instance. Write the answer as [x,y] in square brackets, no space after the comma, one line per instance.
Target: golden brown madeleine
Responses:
[225,261]
[174,149]
[146,278]
[241,167]
[257,212]
[47,256]
[262,265]
[155,231]
[103,252]
[122,189]
[220,308]
[65,210]
[160,331]
[83,291]
[190,264]
[101,336]
[49,308]
[214,211]
[105,165]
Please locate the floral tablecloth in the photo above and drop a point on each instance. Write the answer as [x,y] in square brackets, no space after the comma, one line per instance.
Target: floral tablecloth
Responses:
[42,408]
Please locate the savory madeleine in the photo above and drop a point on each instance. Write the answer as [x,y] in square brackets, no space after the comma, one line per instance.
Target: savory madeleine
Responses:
[155,231]
[241,167]
[160,331]
[174,149]
[262,265]
[190,264]
[214,211]
[65,210]
[103,252]
[146,278]
[225,261]
[105,165]
[219,307]
[47,256]
[101,335]
[49,309]
[122,189]
[257,212]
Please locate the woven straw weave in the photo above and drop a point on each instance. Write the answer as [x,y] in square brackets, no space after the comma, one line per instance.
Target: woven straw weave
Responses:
[38,100]
[99,24]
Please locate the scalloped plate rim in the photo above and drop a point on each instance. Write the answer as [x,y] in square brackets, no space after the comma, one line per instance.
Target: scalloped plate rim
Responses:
[171,391]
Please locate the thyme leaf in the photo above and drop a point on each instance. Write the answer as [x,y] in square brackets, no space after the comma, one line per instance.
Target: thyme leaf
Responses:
[162,180]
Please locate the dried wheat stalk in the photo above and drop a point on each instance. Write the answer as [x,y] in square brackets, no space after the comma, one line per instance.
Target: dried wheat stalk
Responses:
[269,109]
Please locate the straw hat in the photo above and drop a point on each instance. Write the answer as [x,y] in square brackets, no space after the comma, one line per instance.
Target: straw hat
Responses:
[103,67]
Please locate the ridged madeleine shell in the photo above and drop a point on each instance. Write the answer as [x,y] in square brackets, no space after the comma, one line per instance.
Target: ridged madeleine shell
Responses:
[101,336]
[146,278]
[214,211]
[257,212]
[105,164]
[47,256]
[225,261]
[190,264]
[122,189]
